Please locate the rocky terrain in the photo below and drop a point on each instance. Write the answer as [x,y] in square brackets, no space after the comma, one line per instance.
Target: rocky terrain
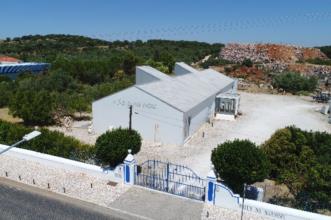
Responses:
[269,53]
[271,58]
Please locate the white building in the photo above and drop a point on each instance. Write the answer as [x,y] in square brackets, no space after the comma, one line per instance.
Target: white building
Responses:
[168,109]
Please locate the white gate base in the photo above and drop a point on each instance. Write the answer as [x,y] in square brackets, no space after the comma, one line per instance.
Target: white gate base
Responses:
[225,117]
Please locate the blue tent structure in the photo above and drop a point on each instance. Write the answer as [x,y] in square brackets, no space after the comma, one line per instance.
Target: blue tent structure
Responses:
[12,70]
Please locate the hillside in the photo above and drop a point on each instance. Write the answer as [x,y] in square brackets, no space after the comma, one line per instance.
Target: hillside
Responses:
[268,53]
[48,47]
[83,70]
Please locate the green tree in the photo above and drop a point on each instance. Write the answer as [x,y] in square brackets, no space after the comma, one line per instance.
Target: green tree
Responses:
[35,108]
[6,90]
[238,162]
[157,65]
[79,104]
[168,60]
[301,160]
[247,62]
[49,142]
[294,82]
[112,147]
[59,81]
[129,64]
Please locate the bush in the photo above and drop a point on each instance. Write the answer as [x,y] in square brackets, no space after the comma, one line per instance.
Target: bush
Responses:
[301,160]
[112,147]
[35,108]
[49,142]
[319,61]
[214,61]
[247,62]
[238,162]
[294,82]
[6,89]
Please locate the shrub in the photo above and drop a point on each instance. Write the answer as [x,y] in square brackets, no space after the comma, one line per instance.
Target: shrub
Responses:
[238,162]
[294,82]
[49,142]
[301,160]
[6,89]
[35,108]
[247,62]
[112,147]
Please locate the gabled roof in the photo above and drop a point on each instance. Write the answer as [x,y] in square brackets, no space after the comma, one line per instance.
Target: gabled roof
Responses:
[6,59]
[186,91]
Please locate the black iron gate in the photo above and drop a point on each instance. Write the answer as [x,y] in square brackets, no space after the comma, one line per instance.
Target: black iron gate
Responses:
[171,178]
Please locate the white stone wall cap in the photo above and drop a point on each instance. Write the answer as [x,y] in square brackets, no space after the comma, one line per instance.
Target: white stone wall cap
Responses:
[129,158]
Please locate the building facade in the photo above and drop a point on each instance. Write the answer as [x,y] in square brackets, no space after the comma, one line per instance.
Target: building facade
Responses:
[166,109]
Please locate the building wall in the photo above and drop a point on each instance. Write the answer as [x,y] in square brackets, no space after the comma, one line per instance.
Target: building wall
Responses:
[143,77]
[152,118]
[202,112]
[181,69]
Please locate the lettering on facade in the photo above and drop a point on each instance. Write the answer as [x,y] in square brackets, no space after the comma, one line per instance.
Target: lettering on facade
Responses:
[266,212]
[125,103]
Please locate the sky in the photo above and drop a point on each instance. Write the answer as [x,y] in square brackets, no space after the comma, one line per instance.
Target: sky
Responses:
[300,22]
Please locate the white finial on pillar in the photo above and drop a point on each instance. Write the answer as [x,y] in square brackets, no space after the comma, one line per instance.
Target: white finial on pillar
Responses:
[129,158]
[211,173]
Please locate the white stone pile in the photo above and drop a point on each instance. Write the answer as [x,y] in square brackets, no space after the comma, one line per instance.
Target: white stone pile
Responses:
[239,52]
[78,185]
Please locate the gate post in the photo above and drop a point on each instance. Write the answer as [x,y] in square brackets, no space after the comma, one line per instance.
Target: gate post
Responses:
[210,188]
[129,168]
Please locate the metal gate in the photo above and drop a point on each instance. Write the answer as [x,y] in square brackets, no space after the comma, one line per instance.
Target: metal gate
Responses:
[171,178]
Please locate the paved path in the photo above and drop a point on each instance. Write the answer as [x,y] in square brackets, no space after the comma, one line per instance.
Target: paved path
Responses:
[157,205]
[19,201]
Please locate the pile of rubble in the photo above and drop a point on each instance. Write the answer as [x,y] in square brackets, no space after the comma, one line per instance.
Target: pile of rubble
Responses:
[306,69]
[269,53]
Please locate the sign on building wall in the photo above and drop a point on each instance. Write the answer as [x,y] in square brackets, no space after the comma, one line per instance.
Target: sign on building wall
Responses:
[143,105]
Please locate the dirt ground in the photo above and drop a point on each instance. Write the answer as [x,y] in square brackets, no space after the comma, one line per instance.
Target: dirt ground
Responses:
[4,115]
[262,115]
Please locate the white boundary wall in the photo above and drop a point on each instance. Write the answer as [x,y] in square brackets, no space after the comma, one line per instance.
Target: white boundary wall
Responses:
[115,175]
[225,198]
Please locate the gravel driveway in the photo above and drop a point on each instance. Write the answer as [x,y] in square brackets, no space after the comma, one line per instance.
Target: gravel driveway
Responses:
[262,115]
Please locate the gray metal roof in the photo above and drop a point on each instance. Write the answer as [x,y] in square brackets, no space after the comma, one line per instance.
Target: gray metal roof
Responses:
[186,91]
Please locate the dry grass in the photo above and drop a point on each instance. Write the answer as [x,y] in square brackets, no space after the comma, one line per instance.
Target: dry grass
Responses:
[4,115]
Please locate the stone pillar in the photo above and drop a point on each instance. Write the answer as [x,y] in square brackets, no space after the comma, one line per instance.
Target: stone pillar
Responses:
[210,189]
[129,169]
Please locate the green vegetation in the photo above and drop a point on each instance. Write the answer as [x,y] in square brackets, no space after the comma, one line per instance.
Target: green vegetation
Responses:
[299,159]
[247,63]
[50,142]
[83,70]
[326,50]
[294,82]
[238,162]
[319,61]
[302,160]
[112,147]
[214,61]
